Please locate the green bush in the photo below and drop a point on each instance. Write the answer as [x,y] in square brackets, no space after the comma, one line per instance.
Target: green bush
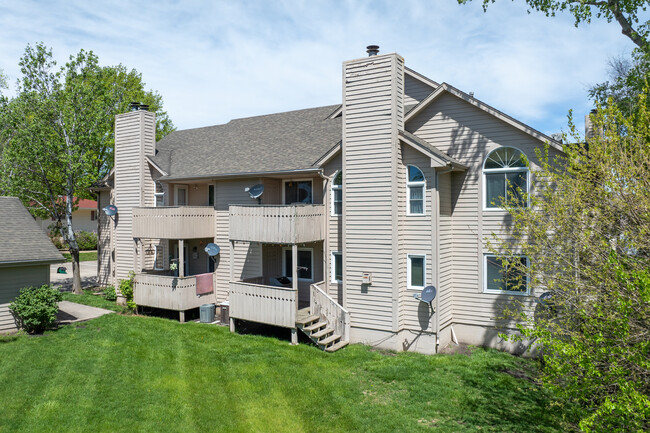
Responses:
[86,240]
[57,240]
[36,308]
[109,293]
[126,288]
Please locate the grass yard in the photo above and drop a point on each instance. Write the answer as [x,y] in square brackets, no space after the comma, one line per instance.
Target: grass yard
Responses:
[84,256]
[94,300]
[131,373]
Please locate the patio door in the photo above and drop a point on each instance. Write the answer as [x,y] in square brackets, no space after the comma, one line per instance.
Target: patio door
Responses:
[180,195]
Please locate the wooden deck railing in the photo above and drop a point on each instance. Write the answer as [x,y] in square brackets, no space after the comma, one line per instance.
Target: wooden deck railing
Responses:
[170,293]
[323,305]
[277,223]
[263,304]
[180,222]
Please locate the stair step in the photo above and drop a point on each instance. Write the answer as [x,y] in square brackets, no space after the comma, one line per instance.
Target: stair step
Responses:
[328,340]
[337,346]
[315,326]
[306,320]
[322,333]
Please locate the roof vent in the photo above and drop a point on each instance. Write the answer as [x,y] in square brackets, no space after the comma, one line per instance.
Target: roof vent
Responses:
[372,50]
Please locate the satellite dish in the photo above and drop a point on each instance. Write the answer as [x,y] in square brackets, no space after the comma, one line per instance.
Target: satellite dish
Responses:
[110,210]
[428,294]
[212,249]
[255,191]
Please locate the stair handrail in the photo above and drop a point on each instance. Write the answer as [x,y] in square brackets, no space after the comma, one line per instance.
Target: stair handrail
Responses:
[323,305]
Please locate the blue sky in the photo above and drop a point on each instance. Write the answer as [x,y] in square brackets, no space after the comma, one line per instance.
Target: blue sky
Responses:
[213,61]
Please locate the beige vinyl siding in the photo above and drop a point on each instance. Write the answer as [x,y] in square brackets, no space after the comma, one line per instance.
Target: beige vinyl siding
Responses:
[415,90]
[415,238]
[333,242]
[104,224]
[134,139]
[469,134]
[445,229]
[372,108]
[12,279]
[248,257]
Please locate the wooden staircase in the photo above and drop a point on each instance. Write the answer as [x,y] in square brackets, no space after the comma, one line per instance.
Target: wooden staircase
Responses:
[319,330]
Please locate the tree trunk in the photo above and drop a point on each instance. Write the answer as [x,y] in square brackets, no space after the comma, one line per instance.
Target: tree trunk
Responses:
[73,246]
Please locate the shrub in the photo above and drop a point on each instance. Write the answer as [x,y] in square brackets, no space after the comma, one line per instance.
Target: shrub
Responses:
[57,240]
[126,288]
[36,308]
[86,240]
[109,293]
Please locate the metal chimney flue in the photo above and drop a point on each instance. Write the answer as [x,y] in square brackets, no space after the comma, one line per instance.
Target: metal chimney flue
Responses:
[372,50]
[134,106]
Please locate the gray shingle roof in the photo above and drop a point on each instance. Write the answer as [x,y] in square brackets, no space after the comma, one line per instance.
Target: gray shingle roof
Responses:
[21,238]
[276,142]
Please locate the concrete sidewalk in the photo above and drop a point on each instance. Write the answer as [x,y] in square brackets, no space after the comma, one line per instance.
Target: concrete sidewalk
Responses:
[70,312]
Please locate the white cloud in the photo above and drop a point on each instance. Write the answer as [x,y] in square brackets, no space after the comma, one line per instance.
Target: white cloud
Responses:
[214,61]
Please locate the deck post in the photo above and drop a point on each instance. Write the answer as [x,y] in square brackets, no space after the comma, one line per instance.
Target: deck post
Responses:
[232,325]
[181,258]
[294,337]
[181,316]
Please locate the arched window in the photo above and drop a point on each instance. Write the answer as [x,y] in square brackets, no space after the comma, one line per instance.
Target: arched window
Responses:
[505,176]
[337,194]
[415,184]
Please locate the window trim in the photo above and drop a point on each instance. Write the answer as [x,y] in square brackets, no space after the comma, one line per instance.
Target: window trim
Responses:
[502,292]
[284,197]
[187,194]
[284,263]
[336,188]
[158,194]
[155,257]
[409,185]
[409,271]
[333,279]
[486,171]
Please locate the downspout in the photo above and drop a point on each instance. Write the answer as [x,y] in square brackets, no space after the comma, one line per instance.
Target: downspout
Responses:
[449,168]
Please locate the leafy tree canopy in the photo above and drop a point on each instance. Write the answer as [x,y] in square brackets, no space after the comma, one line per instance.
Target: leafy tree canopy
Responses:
[57,133]
[624,12]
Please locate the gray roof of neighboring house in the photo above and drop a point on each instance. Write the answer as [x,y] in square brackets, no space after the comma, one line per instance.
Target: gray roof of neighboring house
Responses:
[276,142]
[21,238]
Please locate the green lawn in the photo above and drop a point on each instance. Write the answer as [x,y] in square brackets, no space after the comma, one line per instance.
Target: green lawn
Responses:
[84,256]
[132,373]
[94,300]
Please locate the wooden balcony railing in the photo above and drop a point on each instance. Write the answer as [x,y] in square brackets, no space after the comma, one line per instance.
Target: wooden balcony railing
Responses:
[279,224]
[181,222]
[263,304]
[323,305]
[169,293]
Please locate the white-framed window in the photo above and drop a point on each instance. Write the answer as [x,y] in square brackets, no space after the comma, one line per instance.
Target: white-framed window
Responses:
[503,275]
[337,267]
[297,191]
[305,263]
[337,194]
[159,195]
[158,257]
[415,187]
[416,271]
[505,176]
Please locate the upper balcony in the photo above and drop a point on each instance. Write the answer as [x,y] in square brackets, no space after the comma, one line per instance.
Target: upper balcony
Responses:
[178,222]
[277,224]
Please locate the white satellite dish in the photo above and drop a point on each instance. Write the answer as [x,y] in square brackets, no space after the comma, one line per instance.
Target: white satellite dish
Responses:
[255,191]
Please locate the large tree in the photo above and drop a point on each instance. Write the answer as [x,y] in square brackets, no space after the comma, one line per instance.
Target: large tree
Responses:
[58,133]
[587,237]
[624,12]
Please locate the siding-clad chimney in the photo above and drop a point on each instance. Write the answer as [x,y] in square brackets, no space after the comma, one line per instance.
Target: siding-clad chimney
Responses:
[373,93]
[135,137]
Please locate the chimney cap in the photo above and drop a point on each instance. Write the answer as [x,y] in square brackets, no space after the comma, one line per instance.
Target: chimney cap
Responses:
[134,106]
[372,50]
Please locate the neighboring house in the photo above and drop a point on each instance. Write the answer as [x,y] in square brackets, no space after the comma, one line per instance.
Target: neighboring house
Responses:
[364,205]
[83,219]
[26,254]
